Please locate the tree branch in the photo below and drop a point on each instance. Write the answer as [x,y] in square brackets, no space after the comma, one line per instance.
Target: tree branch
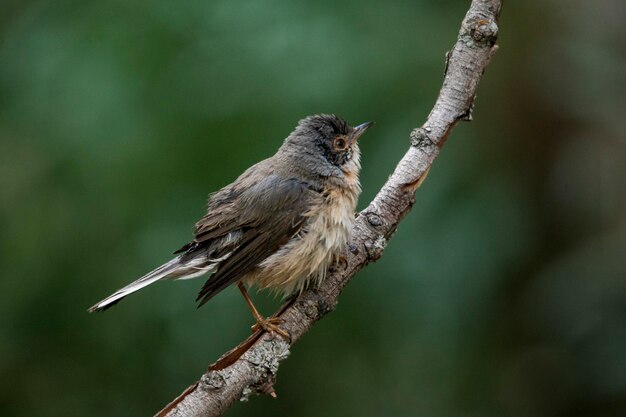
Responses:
[252,366]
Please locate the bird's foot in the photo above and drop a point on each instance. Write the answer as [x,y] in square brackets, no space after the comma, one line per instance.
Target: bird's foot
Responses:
[270,325]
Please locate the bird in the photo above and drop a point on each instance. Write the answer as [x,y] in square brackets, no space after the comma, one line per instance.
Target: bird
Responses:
[279,226]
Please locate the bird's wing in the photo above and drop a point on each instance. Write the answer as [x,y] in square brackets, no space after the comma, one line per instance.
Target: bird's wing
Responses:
[263,217]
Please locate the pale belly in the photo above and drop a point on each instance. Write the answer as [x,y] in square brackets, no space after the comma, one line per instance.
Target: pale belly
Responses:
[306,257]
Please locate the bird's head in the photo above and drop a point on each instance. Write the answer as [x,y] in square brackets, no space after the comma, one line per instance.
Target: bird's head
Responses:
[328,136]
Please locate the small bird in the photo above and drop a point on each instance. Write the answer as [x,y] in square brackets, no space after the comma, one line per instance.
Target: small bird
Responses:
[279,226]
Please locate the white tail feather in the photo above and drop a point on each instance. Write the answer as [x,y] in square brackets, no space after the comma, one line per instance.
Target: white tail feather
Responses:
[174,269]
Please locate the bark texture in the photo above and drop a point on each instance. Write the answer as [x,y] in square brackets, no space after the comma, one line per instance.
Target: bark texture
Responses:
[251,367]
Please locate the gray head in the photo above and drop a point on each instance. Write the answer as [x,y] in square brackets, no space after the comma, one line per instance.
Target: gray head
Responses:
[325,142]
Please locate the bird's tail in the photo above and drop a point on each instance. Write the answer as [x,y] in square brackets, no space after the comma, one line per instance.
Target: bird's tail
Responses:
[177,268]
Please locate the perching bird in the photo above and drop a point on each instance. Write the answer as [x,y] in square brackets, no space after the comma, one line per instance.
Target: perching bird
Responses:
[280,225]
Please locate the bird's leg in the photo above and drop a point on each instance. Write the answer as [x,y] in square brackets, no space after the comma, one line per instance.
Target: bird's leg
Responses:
[268,324]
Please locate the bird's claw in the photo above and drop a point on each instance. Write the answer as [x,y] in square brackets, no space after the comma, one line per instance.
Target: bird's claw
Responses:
[270,325]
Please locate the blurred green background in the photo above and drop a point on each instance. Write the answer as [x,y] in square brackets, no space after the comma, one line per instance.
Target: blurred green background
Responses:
[502,294]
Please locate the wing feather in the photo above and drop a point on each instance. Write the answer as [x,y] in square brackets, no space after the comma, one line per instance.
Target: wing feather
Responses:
[265,216]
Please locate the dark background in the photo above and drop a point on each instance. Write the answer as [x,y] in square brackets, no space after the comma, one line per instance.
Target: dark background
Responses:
[502,294]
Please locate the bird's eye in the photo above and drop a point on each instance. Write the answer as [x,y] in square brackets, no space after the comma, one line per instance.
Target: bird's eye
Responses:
[340,143]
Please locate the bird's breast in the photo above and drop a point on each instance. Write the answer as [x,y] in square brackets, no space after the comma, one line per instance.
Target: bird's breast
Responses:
[308,255]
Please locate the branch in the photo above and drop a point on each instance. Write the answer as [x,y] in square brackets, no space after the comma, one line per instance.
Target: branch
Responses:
[252,366]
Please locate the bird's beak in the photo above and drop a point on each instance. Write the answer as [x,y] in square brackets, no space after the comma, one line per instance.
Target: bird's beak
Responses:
[360,129]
